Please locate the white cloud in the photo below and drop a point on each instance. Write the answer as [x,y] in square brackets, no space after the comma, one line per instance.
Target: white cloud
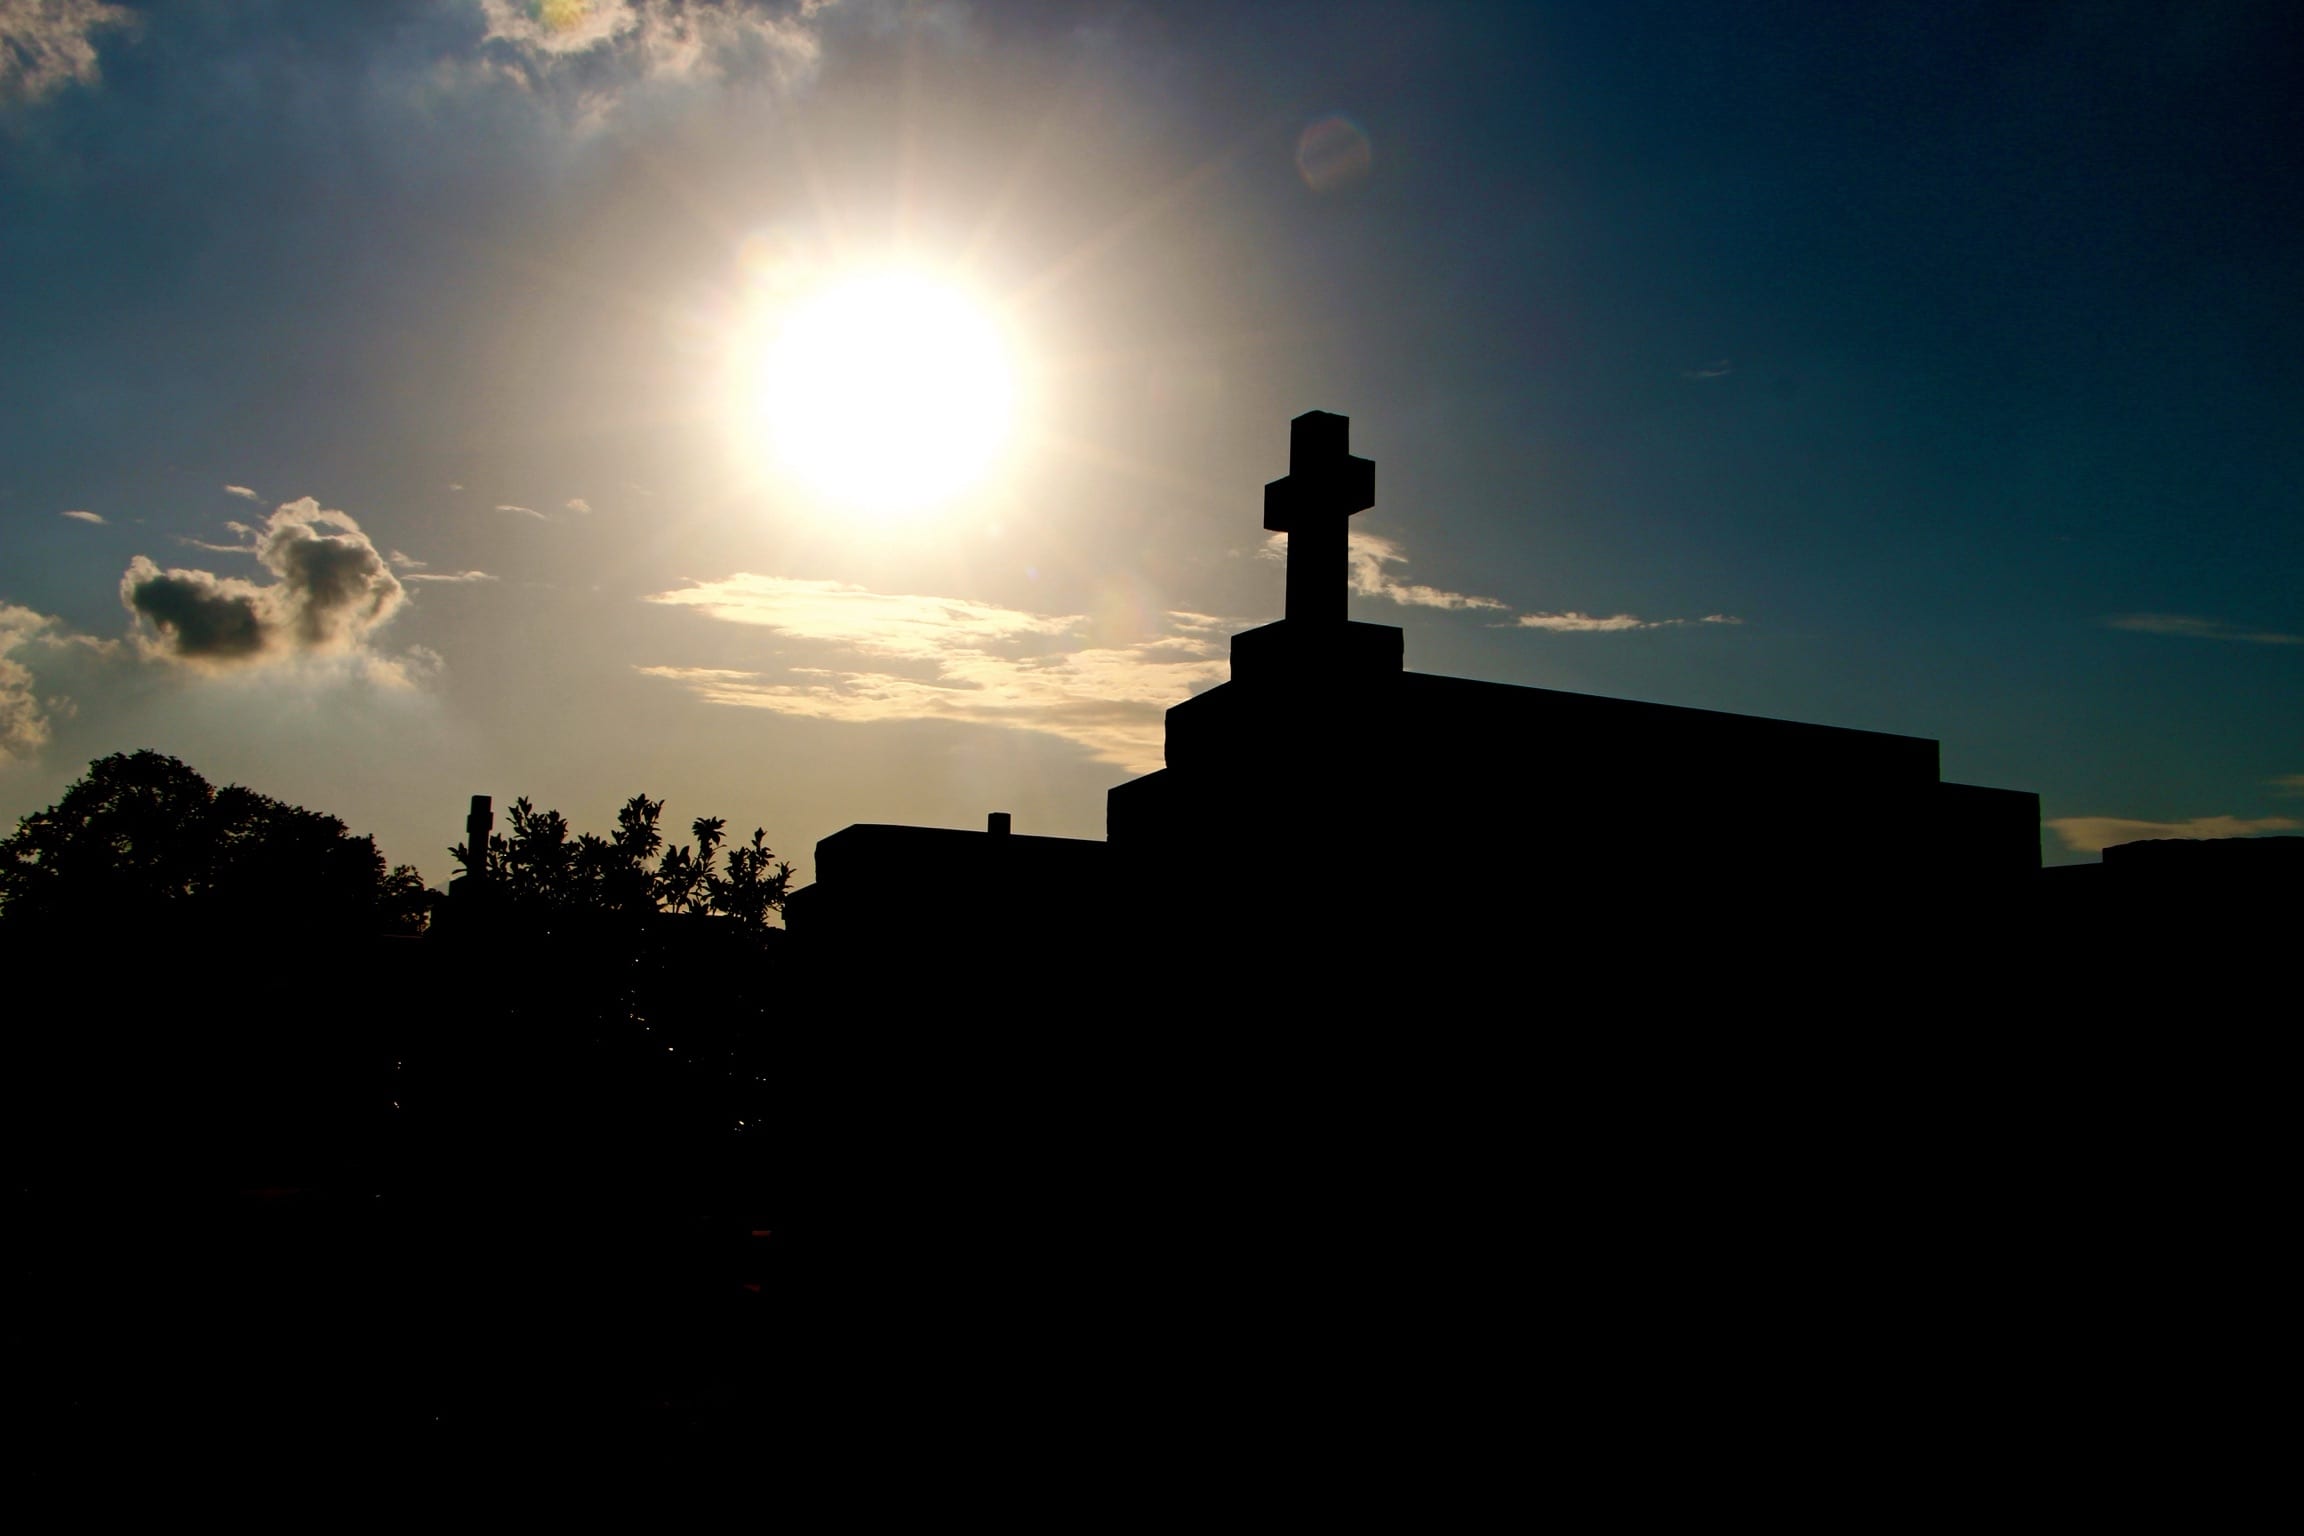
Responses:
[23,723]
[2094,834]
[241,491]
[577,504]
[448,576]
[48,44]
[332,592]
[24,710]
[1718,370]
[506,506]
[955,659]
[80,516]
[2194,628]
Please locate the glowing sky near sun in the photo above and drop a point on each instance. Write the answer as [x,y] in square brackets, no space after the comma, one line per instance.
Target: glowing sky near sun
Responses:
[836,412]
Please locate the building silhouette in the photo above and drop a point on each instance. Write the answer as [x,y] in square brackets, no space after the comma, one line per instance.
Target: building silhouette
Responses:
[1326,795]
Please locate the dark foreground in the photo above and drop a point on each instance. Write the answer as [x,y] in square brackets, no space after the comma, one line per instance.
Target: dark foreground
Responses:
[1440,1249]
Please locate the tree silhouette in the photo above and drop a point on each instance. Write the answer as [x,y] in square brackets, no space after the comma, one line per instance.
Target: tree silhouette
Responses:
[144,838]
[539,871]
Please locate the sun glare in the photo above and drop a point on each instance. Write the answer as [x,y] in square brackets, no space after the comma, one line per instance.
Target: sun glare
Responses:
[887,393]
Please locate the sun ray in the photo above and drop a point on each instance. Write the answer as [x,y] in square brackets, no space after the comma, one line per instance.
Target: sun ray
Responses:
[1154,207]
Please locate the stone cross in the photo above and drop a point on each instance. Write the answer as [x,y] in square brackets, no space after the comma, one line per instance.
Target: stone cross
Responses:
[1313,504]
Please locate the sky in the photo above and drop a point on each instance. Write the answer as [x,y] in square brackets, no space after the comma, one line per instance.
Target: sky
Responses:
[408,399]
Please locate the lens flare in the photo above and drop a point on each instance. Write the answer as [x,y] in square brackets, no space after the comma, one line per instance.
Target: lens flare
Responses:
[1333,153]
[887,392]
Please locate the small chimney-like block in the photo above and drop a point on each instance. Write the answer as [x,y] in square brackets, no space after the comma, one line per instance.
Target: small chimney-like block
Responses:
[997,824]
[477,826]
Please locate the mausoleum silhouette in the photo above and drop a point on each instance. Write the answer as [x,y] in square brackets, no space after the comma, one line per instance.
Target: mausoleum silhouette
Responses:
[1326,792]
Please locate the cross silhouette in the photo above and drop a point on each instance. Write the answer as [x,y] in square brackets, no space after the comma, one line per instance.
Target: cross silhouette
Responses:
[1313,504]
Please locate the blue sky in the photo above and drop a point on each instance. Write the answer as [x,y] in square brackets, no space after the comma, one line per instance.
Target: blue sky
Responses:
[373,425]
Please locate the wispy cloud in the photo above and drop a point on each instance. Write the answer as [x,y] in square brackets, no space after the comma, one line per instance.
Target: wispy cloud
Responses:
[506,506]
[247,545]
[1371,557]
[2094,834]
[48,44]
[1374,558]
[577,504]
[875,623]
[2291,784]
[1573,623]
[2194,628]
[451,576]
[1718,370]
[79,515]
[241,491]
[942,658]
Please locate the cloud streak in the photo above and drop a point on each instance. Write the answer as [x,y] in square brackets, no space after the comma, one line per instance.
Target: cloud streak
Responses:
[1370,558]
[80,515]
[2192,627]
[2094,834]
[1574,623]
[914,657]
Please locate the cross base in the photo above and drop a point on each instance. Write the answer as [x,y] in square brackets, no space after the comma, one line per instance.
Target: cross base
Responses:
[1294,652]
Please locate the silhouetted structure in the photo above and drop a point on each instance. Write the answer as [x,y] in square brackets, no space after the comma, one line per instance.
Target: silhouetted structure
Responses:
[1326,792]
[951,888]
[2165,897]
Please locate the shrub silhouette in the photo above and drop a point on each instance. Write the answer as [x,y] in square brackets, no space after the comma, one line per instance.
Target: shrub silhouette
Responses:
[539,872]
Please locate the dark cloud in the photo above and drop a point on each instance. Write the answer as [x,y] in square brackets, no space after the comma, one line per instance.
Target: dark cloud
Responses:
[333,591]
[200,616]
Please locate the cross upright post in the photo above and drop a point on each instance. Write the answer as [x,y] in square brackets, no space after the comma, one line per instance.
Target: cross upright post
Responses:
[1313,504]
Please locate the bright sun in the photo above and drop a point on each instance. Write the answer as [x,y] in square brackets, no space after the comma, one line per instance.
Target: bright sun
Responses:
[887,392]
